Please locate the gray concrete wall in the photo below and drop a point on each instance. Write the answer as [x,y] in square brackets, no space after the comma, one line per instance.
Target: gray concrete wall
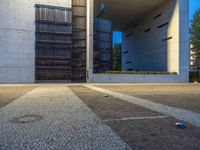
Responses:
[184,44]
[146,50]
[17,39]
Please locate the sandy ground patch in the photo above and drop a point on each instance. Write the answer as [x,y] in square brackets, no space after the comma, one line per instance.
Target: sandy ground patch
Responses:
[10,93]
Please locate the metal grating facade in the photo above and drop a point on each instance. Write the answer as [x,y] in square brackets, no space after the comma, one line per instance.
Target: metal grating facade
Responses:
[53,44]
[61,43]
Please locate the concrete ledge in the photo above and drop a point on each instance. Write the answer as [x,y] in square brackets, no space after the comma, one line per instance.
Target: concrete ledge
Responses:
[130,78]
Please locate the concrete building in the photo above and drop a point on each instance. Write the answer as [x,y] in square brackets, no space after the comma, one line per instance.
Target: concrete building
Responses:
[155,38]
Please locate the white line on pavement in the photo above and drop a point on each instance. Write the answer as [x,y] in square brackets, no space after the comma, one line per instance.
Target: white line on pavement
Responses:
[178,113]
[136,118]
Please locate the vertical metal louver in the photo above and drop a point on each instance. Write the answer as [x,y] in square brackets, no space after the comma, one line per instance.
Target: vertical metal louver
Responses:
[79,40]
[102,45]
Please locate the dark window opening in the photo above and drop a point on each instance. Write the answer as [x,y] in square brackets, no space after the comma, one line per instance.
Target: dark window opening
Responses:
[147,30]
[128,62]
[130,69]
[125,52]
[166,39]
[162,25]
[157,16]
[129,34]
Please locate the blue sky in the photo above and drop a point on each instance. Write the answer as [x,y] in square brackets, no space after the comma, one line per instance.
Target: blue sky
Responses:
[194,5]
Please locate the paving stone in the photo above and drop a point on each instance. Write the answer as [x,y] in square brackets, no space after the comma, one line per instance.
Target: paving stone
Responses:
[67,123]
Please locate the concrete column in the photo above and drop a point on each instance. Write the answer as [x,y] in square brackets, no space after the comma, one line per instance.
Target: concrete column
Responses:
[184,47]
[89,58]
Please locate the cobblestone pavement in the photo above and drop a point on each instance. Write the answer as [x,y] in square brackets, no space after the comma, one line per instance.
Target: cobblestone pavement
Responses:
[53,118]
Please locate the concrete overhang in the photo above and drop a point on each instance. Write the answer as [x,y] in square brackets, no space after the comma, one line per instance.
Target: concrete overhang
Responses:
[124,13]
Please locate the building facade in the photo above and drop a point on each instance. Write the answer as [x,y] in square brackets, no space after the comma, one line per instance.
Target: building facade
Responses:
[54,41]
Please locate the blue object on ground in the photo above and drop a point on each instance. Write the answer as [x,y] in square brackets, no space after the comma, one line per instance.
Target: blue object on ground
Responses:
[180,125]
